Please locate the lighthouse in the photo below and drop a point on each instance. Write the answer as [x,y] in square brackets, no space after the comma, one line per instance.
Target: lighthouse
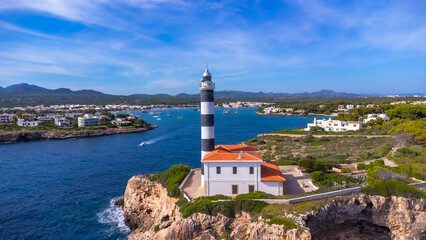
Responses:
[207,117]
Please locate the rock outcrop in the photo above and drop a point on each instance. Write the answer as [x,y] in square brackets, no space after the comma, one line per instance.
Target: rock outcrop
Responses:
[151,214]
[29,135]
[373,217]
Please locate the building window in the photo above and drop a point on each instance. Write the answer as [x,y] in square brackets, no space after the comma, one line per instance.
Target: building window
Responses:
[217,170]
[234,189]
[251,188]
[234,170]
[251,170]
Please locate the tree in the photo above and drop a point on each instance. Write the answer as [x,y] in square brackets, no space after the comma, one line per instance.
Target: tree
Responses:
[122,115]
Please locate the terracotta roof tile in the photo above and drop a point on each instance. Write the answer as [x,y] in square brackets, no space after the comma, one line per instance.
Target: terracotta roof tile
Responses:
[220,155]
[270,172]
[238,148]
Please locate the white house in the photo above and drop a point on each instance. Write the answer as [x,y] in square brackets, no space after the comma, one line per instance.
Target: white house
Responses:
[237,169]
[61,121]
[88,120]
[374,116]
[6,118]
[23,123]
[335,125]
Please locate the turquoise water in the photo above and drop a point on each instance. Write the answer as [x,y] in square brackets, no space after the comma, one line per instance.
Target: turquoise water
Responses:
[65,189]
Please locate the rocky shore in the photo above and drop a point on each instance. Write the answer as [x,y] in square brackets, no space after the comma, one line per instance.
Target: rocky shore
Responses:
[151,214]
[29,135]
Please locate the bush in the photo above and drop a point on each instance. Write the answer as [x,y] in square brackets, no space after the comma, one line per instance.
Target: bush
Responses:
[157,228]
[345,170]
[408,151]
[171,178]
[389,188]
[323,165]
[307,163]
[255,195]
[210,206]
[324,139]
[286,162]
[282,221]
[308,138]
[318,176]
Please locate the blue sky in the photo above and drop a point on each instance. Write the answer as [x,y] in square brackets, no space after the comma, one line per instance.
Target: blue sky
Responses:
[162,46]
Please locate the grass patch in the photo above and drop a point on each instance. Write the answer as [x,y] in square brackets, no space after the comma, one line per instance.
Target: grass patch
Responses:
[287,224]
[171,179]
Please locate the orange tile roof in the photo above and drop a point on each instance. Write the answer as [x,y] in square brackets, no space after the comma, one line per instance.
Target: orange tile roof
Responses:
[220,155]
[270,172]
[238,147]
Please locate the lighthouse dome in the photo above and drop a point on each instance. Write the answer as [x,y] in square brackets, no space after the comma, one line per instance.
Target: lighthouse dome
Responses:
[207,73]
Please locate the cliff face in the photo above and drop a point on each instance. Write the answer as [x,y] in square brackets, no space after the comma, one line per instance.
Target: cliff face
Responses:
[374,217]
[146,205]
[28,135]
[151,214]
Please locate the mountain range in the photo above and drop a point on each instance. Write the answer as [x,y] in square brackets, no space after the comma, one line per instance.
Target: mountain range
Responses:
[27,94]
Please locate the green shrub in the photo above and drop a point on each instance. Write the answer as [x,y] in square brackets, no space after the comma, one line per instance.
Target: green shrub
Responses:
[211,206]
[157,228]
[323,165]
[282,221]
[172,178]
[318,176]
[408,151]
[345,170]
[255,195]
[389,188]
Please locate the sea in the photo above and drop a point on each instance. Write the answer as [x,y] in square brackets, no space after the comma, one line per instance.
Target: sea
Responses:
[66,189]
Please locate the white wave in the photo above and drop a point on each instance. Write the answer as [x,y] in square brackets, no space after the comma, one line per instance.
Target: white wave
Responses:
[113,216]
[151,141]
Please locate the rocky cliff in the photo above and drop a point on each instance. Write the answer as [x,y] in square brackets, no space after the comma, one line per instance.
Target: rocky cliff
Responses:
[151,214]
[28,135]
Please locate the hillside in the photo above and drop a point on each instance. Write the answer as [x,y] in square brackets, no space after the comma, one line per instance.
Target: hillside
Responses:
[26,94]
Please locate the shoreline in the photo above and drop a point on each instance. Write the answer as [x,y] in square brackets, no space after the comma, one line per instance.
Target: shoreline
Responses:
[30,135]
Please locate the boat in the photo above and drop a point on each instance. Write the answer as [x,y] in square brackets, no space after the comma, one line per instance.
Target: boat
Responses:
[168,115]
[226,111]
[151,113]
[158,119]
[180,117]
[156,116]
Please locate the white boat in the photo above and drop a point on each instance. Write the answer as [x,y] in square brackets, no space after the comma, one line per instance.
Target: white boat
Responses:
[158,119]
[156,116]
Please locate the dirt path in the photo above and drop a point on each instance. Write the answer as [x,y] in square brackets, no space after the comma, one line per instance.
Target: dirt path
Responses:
[319,136]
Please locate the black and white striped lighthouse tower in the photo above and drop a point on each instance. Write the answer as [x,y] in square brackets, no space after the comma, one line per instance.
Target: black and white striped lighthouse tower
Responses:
[207,117]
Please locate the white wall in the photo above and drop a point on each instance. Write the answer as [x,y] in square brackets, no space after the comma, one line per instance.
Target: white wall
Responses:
[222,183]
[275,188]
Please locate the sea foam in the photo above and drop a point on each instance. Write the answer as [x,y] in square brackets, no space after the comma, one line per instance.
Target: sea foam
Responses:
[113,216]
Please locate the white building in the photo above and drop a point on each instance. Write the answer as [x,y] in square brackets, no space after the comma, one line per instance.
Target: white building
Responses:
[6,118]
[237,169]
[335,125]
[88,120]
[23,123]
[349,106]
[374,116]
[61,121]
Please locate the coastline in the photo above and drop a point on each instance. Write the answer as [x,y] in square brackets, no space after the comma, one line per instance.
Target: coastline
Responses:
[30,135]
